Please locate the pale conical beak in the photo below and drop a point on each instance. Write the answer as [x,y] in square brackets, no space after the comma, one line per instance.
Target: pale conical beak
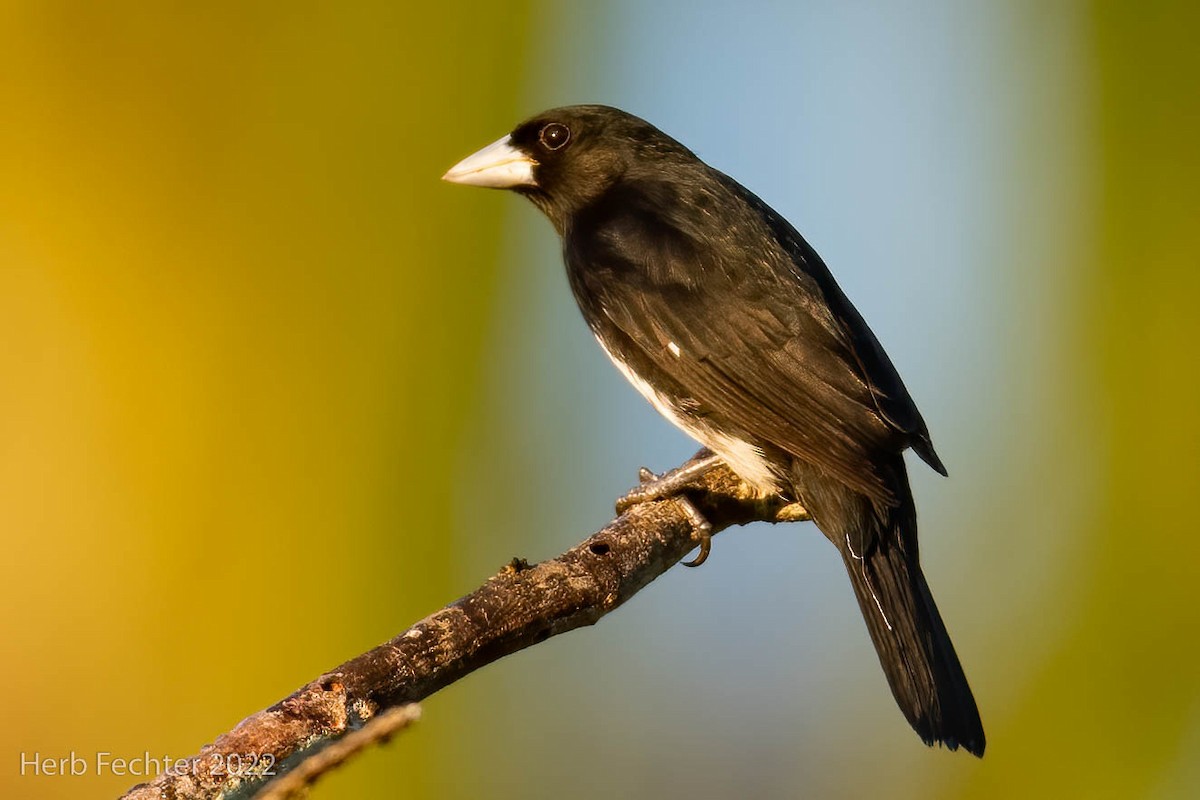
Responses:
[497,166]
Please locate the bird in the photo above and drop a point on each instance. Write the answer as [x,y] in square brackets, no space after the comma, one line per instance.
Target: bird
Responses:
[724,317]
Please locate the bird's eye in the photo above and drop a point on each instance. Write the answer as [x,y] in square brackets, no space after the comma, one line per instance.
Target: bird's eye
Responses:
[554,135]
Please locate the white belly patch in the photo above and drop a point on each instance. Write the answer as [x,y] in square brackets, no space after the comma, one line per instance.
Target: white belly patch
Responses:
[746,460]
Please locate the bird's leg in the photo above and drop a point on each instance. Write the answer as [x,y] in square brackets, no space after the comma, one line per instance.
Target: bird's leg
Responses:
[669,486]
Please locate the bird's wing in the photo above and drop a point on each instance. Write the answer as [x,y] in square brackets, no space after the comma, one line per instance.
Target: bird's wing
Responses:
[756,349]
[887,388]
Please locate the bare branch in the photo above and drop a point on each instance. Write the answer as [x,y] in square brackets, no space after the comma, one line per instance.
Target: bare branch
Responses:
[306,773]
[520,606]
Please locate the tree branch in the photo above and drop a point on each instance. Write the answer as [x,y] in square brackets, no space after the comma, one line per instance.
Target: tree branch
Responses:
[381,728]
[520,606]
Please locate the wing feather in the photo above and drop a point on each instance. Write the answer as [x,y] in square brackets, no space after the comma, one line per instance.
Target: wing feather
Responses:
[748,328]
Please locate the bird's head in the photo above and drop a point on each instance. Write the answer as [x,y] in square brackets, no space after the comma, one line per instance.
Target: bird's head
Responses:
[566,158]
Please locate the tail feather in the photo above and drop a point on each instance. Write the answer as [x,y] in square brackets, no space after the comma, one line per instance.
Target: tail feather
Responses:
[879,548]
[914,648]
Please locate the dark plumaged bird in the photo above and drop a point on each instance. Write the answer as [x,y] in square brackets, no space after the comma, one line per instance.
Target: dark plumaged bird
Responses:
[719,312]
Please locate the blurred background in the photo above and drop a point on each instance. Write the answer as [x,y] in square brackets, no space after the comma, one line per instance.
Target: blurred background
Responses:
[270,391]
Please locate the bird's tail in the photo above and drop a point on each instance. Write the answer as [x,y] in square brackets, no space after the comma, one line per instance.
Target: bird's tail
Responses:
[880,552]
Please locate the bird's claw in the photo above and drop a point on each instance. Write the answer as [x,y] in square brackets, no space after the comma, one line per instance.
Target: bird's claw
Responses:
[650,488]
[661,487]
[701,529]
[669,486]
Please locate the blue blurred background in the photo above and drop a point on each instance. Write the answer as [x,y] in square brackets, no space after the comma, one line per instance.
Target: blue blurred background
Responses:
[271,391]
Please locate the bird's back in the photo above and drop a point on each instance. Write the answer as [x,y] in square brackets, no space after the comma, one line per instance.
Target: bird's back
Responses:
[695,283]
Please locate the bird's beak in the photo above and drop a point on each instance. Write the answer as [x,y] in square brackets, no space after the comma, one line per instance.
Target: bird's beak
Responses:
[497,166]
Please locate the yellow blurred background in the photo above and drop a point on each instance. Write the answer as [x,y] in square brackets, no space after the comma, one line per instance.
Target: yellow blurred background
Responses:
[269,391]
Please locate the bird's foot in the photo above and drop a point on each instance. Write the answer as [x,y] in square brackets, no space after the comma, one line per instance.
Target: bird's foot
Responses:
[669,486]
[701,530]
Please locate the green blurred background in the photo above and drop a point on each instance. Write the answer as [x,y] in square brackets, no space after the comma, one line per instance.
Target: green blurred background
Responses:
[269,391]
